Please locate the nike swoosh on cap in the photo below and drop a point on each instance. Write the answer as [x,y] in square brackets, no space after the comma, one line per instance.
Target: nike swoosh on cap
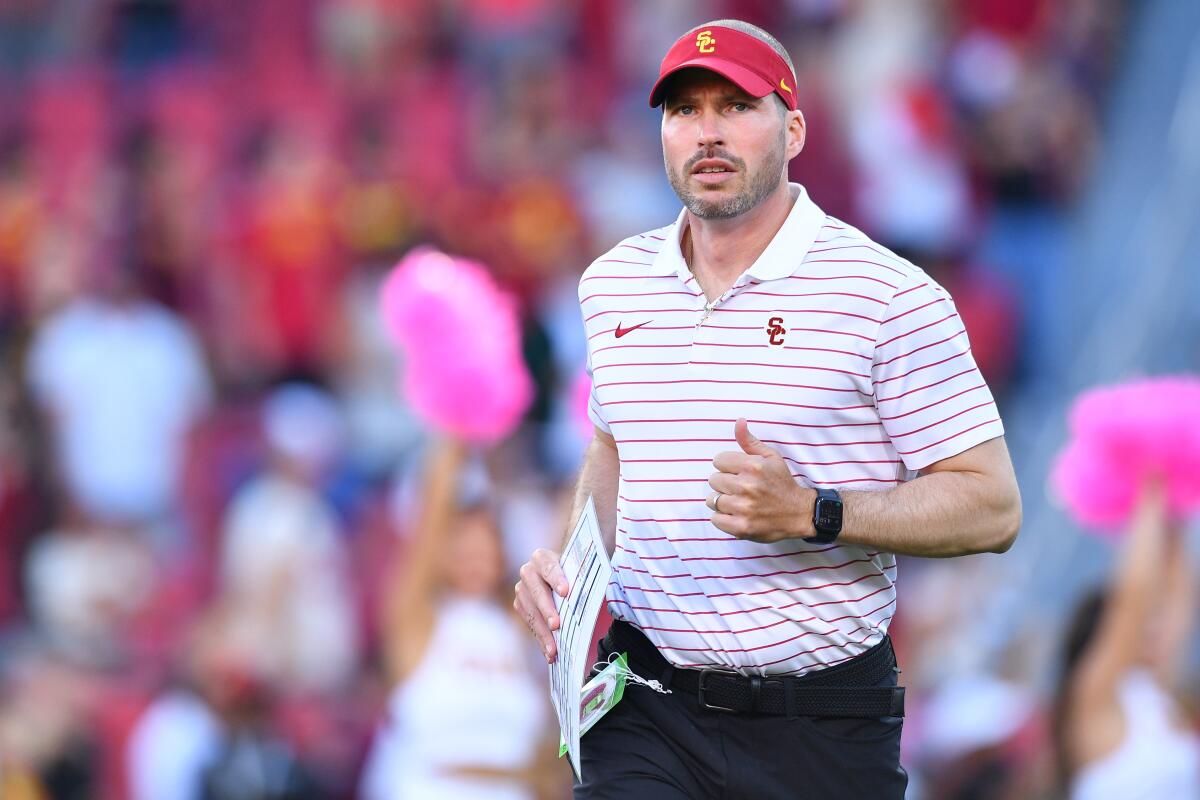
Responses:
[619,332]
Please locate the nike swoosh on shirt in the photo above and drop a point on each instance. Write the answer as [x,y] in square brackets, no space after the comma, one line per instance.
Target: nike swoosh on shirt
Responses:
[621,332]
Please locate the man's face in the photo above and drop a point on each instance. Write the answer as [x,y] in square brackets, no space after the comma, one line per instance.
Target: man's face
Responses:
[724,150]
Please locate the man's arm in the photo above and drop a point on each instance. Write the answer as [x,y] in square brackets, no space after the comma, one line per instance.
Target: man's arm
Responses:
[542,574]
[968,503]
[598,478]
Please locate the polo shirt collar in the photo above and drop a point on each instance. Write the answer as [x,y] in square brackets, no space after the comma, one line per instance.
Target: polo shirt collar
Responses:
[669,259]
[782,256]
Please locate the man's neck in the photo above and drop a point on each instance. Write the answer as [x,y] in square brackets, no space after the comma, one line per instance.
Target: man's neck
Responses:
[719,250]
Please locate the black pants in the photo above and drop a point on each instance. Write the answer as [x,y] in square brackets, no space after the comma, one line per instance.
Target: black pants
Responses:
[666,747]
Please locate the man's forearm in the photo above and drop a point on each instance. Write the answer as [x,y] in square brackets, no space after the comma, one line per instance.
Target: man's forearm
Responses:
[937,515]
[598,477]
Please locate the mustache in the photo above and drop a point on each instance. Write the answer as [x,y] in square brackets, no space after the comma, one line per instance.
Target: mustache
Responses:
[714,152]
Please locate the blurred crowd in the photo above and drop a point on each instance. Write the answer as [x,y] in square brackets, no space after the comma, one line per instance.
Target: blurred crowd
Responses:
[209,483]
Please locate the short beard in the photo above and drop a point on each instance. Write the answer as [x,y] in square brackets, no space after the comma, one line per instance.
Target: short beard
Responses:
[761,183]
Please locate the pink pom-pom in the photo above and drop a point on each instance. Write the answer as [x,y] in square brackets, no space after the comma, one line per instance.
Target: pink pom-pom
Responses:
[1123,434]
[462,340]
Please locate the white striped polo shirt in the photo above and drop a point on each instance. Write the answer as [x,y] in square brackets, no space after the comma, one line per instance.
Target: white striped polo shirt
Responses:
[846,358]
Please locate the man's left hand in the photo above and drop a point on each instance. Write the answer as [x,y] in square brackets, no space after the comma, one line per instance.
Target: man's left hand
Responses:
[755,496]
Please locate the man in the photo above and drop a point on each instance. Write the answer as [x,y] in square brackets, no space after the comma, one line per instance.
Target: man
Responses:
[760,593]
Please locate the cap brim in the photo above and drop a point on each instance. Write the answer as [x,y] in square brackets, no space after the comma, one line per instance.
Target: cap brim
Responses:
[745,79]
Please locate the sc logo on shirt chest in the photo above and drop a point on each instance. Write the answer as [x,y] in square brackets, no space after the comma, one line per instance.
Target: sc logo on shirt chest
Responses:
[775,331]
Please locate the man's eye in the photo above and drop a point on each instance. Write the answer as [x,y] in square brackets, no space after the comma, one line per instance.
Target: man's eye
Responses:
[741,106]
[685,110]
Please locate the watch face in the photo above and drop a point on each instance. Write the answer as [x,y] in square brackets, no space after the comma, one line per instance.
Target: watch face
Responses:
[829,514]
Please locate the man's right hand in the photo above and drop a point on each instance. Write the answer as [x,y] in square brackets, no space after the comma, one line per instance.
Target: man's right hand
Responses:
[540,576]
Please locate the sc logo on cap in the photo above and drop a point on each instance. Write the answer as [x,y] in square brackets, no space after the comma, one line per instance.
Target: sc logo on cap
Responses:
[705,42]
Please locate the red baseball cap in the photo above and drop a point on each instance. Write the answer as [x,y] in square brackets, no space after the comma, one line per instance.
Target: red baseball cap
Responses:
[749,62]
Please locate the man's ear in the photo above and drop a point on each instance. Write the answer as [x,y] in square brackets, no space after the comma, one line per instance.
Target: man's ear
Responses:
[796,131]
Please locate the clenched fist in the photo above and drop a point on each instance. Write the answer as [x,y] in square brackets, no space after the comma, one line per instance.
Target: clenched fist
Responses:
[755,496]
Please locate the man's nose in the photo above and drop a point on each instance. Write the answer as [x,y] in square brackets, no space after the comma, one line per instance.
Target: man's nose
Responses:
[709,130]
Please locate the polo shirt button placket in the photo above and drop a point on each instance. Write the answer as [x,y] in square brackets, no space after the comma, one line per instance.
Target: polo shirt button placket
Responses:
[706,311]
[711,306]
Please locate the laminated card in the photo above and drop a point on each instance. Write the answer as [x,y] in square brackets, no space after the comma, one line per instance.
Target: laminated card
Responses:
[586,566]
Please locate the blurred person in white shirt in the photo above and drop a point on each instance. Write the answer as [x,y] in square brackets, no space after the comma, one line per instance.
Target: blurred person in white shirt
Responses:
[121,381]
[283,562]
[212,733]
[1120,727]
[467,717]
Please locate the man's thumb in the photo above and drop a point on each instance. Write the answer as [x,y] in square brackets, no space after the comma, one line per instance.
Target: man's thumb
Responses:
[749,442]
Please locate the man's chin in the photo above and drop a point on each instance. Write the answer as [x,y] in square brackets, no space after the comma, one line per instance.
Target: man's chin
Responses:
[715,205]
[714,210]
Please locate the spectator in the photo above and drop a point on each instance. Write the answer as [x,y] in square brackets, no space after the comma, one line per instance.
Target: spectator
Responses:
[466,715]
[212,737]
[121,380]
[1121,731]
[86,583]
[44,751]
[283,561]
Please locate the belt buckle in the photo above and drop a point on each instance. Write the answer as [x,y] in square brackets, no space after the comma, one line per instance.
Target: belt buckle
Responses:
[700,690]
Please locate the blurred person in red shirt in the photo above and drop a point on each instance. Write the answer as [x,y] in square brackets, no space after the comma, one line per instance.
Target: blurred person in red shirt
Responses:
[281,265]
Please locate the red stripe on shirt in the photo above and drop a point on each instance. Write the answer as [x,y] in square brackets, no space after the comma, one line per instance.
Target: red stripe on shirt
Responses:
[913,310]
[828,350]
[954,335]
[901,273]
[640,555]
[781,442]
[872,320]
[709,649]
[761,421]
[734,631]
[942,421]
[937,403]
[863,243]
[642,311]
[879,400]
[804,652]
[948,438]
[698,380]
[918,369]
[631,294]
[786,606]
[748,575]
[817,294]
[783,366]
[914,330]
[840,278]
[736,400]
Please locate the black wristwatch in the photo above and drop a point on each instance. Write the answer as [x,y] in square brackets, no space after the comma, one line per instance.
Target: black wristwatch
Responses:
[827,516]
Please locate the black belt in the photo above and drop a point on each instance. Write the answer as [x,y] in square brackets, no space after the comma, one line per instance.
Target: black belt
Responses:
[844,690]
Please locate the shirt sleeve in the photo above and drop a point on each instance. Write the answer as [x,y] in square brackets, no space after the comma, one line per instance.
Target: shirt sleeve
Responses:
[595,410]
[931,398]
